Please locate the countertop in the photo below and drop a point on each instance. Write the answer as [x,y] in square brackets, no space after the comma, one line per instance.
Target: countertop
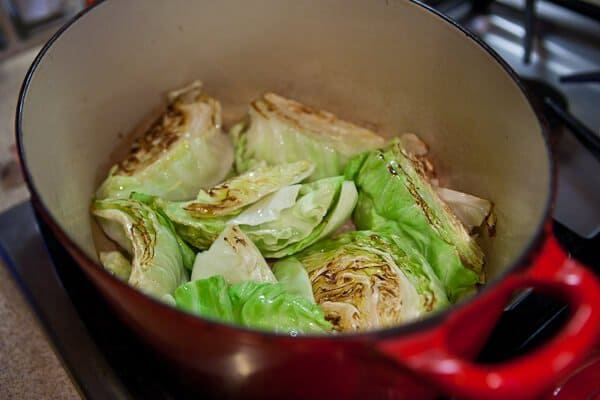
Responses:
[30,367]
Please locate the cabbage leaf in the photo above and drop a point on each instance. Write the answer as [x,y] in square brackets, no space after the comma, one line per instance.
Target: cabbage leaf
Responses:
[291,274]
[367,280]
[282,131]
[157,262]
[279,223]
[183,151]
[235,257]
[116,263]
[395,196]
[264,306]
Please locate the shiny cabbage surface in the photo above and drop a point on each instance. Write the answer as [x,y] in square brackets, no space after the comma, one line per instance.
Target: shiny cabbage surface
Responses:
[264,306]
[366,280]
[235,257]
[396,196]
[157,256]
[183,151]
[282,131]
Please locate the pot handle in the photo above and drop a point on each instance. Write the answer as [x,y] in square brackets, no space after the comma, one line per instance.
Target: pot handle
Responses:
[442,354]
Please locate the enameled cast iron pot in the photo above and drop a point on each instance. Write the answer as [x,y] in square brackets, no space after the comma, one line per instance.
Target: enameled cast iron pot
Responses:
[394,65]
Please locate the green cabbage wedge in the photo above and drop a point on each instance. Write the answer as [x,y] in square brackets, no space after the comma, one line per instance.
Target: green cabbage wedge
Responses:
[366,280]
[281,131]
[183,151]
[263,306]
[396,196]
[157,261]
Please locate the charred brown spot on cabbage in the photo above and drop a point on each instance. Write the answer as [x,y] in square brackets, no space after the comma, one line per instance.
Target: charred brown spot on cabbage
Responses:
[142,229]
[302,116]
[257,107]
[231,199]
[430,215]
[267,104]
[167,129]
[160,137]
[358,292]
[237,240]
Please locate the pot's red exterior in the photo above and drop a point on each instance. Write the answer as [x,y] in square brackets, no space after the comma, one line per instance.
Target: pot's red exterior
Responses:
[443,354]
[583,384]
[227,362]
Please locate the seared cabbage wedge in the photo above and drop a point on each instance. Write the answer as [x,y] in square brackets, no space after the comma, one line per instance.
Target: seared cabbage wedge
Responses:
[280,221]
[474,212]
[396,196]
[366,280]
[183,151]
[158,258]
[232,282]
[280,131]
[411,256]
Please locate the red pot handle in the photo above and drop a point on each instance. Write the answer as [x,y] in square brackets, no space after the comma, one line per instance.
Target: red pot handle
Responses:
[444,354]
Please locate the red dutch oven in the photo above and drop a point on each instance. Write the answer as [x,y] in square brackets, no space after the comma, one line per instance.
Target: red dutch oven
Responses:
[394,66]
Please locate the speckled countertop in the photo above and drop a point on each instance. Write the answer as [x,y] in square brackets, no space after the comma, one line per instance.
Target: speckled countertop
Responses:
[29,368]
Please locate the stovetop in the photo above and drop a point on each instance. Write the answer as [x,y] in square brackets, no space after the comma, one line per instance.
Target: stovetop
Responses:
[564,42]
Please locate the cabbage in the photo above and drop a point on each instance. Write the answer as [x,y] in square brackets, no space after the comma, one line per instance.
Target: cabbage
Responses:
[157,262]
[268,306]
[321,208]
[395,196]
[200,221]
[235,257]
[291,274]
[268,208]
[279,222]
[183,151]
[232,282]
[116,263]
[282,131]
[264,306]
[206,297]
[240,191]
[366,280]
[471,210]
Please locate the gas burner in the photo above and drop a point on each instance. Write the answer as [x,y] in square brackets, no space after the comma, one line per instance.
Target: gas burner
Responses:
[555,44]
[540,91]
[554,106]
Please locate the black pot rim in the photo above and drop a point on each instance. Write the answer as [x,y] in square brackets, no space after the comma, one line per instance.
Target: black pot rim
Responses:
[418,326]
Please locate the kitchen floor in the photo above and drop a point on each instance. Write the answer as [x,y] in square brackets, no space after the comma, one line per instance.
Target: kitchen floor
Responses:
[30,367]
